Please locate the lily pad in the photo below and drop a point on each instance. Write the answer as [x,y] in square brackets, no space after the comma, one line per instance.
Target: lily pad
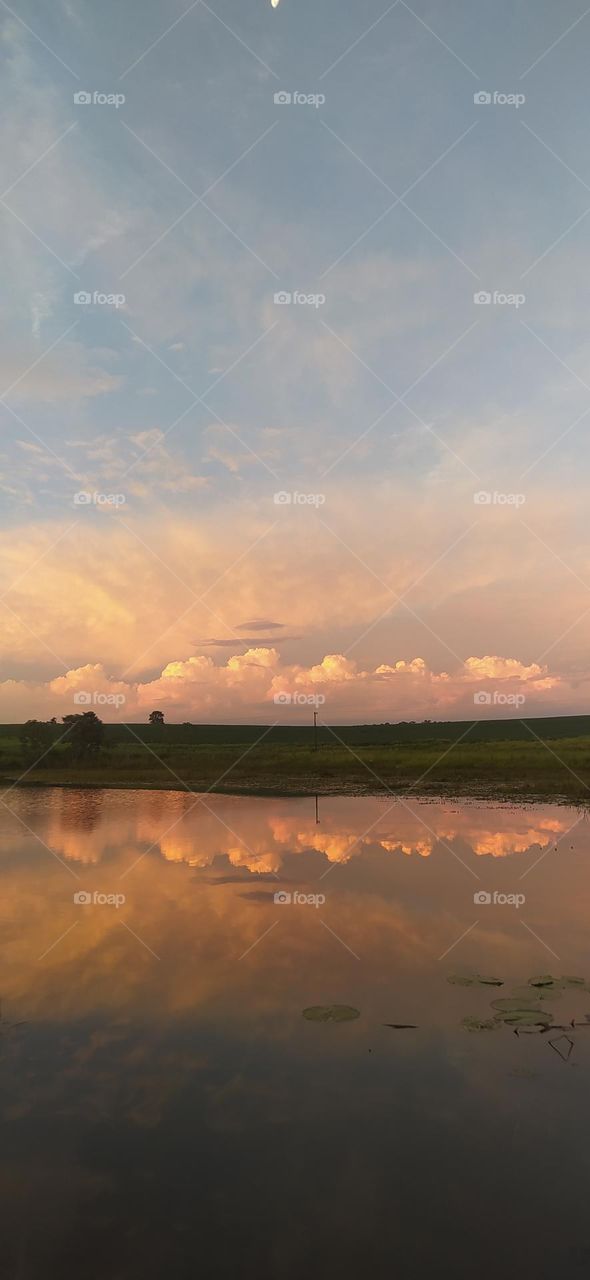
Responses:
[537,993]
[480,1024]
[401,1026]
[530,1028]
[523,1018]
[566,983]
[517,1004]
[474,980]
[331,1013]
[546,980]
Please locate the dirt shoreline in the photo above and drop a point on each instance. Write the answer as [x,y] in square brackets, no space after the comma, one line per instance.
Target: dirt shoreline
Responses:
[299,789]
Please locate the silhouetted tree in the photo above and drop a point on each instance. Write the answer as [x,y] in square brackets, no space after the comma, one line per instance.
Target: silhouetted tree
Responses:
[37,737]
[85,733]
[157,726]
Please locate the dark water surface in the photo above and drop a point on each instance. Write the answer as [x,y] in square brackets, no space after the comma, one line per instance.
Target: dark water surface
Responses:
[166,1108]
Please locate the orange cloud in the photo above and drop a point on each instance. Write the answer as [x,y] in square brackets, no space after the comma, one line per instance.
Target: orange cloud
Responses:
[258,684]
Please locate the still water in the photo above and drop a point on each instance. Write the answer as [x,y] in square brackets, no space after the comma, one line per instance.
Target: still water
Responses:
[168,1111]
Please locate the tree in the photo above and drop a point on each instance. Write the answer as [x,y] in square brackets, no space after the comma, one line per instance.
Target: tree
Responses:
[37,738]
[84,733]
[156,717]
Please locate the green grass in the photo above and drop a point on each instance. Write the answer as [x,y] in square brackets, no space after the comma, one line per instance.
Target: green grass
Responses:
[511,768]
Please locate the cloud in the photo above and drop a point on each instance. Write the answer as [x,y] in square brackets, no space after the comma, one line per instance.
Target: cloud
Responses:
[259,624]
[136,589]
[245,685]
[494,668]
[69,373]
[248,641]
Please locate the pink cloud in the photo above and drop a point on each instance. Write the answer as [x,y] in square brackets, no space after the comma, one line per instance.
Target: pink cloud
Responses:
[247,686]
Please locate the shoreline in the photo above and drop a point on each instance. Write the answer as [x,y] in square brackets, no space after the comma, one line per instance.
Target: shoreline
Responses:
[499,792]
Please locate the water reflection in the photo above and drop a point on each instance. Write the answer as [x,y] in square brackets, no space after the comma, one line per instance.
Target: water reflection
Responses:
[258,834]
[166,1097]
[387,883]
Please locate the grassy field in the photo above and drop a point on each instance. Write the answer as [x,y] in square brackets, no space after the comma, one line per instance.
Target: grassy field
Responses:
[419,732]
[513,766]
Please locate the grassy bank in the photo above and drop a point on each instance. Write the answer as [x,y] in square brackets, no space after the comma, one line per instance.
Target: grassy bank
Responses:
[526,769]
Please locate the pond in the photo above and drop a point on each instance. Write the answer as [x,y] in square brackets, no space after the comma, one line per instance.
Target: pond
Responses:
[255,1036]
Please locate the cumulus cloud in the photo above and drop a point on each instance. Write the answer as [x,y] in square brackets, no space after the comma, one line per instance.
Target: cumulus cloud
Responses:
[138,589]
[494,668]
[245,688]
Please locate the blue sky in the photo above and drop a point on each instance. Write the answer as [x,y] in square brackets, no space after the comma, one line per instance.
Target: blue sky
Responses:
[396,397]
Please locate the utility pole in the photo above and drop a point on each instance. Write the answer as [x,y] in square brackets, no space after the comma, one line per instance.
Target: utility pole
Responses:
[315,730]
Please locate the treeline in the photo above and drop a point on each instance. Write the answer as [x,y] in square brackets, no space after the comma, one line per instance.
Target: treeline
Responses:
[419,733]
[80,737]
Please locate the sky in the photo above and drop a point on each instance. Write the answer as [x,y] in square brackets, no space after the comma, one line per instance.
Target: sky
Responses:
[295,368]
